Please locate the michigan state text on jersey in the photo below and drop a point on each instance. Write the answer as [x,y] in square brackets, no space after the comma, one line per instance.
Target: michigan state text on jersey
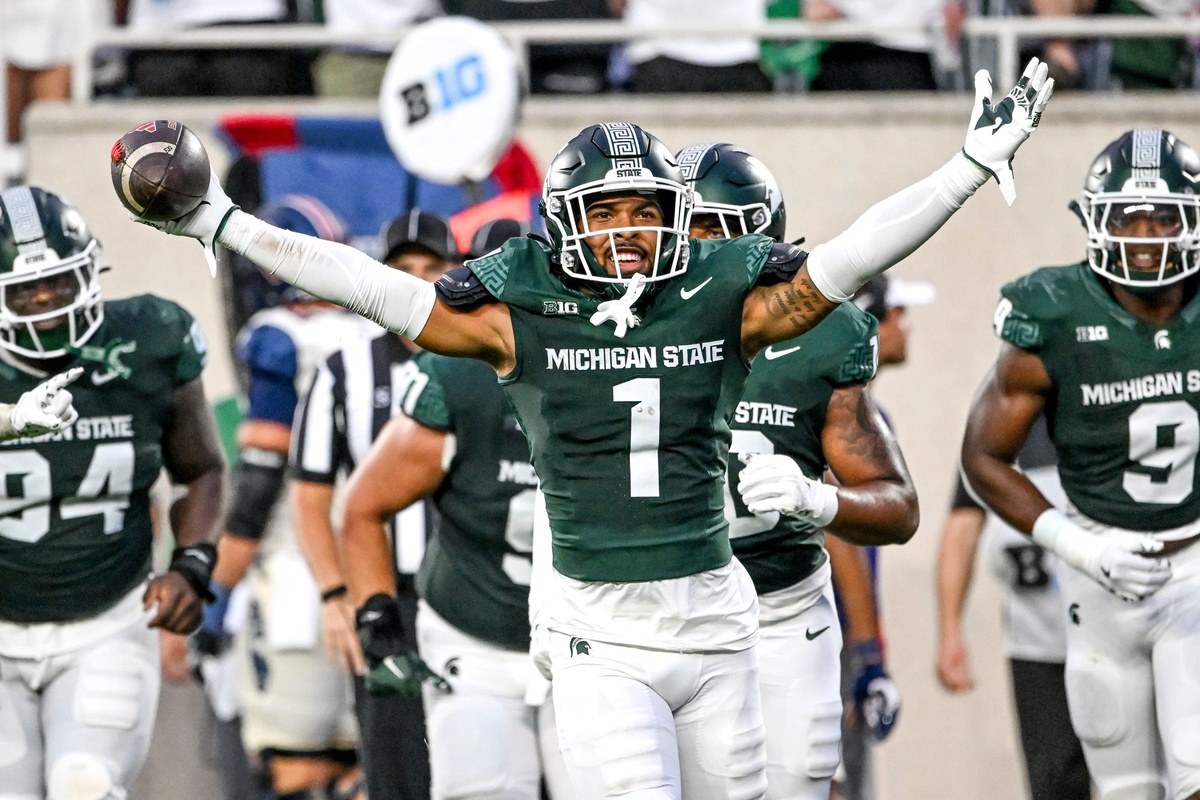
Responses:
[1107,350]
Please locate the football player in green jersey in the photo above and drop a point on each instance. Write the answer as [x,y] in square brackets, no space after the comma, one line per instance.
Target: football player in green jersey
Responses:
[651,620]
[490,732]
[79,663]
[1107,349]
[805,408]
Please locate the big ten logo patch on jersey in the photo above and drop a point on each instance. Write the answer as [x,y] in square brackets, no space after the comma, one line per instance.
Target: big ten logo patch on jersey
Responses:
[552,308]
[641,357]
[1091,333]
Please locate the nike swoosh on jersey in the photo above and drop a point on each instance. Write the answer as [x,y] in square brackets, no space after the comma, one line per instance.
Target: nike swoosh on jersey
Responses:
[773,354]
[808,634]
[686,294]
[101,378]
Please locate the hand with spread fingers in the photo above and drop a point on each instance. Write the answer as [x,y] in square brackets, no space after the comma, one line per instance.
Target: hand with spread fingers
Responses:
[46,408]
[996,131]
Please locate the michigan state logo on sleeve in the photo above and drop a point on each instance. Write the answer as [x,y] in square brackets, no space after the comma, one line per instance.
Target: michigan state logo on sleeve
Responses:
[1013,326]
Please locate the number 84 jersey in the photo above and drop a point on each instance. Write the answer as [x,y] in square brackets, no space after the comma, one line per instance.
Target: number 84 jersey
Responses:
[75,532]
[1123,409]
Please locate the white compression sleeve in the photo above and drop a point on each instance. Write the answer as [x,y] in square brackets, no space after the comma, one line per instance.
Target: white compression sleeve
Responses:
[334,272]
[892,229]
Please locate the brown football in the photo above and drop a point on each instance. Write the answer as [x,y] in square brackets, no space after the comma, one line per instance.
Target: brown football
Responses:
[160,170]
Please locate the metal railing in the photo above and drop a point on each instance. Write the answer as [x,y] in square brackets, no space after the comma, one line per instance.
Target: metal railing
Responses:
[1007,32]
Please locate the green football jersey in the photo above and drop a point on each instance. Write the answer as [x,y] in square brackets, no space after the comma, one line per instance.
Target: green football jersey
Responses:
[1123,409]
[75,530]
[783,411]
[630,435]
[477,565]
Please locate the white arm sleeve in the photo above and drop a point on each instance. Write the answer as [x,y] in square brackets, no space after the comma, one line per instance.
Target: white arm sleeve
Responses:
[334,272]
[891,229]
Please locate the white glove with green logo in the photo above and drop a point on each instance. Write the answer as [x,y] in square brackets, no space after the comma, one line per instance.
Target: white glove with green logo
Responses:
[46,408]
[996,131]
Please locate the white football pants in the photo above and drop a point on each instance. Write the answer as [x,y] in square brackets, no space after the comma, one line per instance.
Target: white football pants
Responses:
[484,738]
[75,723]
[1133,683]
[644,724]
[799,672]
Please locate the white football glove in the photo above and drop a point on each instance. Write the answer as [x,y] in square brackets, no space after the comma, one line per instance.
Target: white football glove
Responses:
[46,408]
[775,483]
[1120,562]
[204,223]
[996,131]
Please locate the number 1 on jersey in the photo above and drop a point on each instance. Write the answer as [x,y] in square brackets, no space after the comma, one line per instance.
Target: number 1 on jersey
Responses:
[644,426]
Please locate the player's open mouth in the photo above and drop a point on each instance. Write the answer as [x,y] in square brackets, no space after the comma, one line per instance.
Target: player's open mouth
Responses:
[1144,259]
[631,259]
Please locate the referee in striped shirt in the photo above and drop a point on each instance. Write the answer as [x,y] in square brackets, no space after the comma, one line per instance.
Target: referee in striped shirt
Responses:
[353,395]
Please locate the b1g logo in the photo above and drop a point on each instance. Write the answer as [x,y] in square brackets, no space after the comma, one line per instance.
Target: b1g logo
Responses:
[458,83]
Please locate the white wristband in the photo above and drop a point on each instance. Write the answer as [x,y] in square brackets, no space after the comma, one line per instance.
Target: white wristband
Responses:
[1053,531]
[825,503]
[334,272]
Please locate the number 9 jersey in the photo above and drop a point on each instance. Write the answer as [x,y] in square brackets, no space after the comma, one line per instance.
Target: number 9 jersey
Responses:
[75,530]
[1122,411]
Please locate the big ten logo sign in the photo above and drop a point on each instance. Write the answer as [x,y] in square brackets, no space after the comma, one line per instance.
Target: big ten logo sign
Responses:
[458,83]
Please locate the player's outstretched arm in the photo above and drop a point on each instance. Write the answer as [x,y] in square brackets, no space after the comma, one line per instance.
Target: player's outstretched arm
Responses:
[1010,400]
[192,457]
[893,228]
[343,275]
[46,408]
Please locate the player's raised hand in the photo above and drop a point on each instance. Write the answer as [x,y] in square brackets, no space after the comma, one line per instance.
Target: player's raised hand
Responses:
[996,131]
[776,483]
[46,408]
[202,224]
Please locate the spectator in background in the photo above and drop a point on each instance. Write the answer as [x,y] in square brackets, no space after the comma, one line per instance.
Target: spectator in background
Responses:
[693,64]
[222,72]
[1061,55]
[38,39]
[1151,63]
[358,71]
[1035,625]
[555,68]
[901,61]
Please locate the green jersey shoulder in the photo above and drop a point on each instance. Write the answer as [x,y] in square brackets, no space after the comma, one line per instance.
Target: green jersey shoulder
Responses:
[783,411]
[75,530]
[1123,406]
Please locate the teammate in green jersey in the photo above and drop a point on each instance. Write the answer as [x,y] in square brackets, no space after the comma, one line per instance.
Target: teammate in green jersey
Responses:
[1107,349]
[651,620]
[79,663]
[805,409]
[491,736]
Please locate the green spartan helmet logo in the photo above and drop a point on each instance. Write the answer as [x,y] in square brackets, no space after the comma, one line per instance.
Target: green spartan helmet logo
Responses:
[580,647]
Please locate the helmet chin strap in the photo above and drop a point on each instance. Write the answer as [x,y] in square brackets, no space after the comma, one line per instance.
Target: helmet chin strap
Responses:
[620,311]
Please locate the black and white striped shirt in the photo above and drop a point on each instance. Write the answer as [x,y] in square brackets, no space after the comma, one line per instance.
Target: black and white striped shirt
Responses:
[353,395]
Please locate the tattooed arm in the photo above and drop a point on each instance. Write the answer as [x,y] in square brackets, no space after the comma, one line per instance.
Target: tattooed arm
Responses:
[877,503]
